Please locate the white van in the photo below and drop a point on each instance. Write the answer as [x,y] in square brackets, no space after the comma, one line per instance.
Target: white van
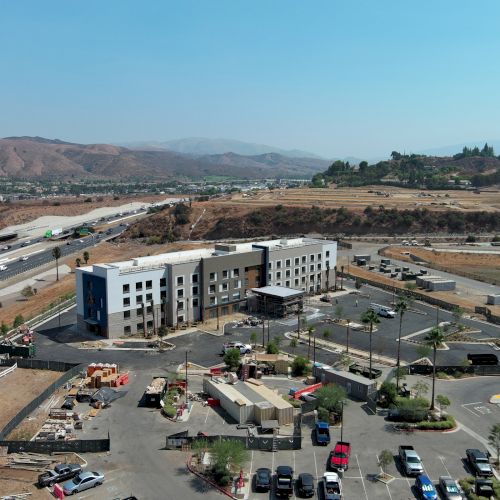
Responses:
[384,311]
[3,267]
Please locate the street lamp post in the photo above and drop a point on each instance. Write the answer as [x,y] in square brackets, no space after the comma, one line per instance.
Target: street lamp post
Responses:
[186,375]
[342,422]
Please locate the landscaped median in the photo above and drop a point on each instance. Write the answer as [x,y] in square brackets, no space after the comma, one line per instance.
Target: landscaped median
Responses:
[446,423]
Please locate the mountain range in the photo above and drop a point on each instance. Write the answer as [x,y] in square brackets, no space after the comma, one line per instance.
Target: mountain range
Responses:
[41,158]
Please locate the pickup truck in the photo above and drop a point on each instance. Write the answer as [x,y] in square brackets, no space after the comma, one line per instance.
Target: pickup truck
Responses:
[284,481]
[339,456]
[61,472]
[322,433]
[332,487]
[364,370]
[479,462]
[410,460]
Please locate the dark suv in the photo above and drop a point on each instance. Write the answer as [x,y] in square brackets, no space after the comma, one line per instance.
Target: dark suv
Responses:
[263,478]
[305,485]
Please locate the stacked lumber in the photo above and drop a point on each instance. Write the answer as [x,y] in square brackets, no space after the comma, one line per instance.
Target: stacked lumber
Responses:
[29,461]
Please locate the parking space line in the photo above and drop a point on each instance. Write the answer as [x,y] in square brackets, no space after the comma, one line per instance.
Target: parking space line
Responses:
[445,468]
[293,457]
[468,409]
[362,479]
[206,416]
[315,464]
[251,465]
[388,491]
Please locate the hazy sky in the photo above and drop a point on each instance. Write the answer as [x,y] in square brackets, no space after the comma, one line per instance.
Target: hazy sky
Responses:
[337,78]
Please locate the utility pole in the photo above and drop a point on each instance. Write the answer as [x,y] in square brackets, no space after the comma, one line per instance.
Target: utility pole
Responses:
[186,375]
[314,347]
[342,423]
[347,336]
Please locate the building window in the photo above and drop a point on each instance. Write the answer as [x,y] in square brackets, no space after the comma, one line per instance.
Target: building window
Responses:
[223,287]
[311,258]
[180,319]
[138,311]
[287,273]
[296,271]
[180,294]
[327,254]
[225,298]
[296,281]
[319,266]
[311,278]
[304,259]
[127,330]
[236,273]
[163,295]
[211,289]
[213,301]
[126,314]
[180,280]
[138,299]
[225,274]
[311,268]
[140,327]
[278,264]
[195,302]
[194,278]
[126,301]
[319,277]
[237,284]
[278,275]
[150,324]
[236,296]
[287,284]
[303,280]
[149,310]
[303,269]
[180,305]
[319,256]
[149,297]
[213,276]
[126,288]
[270,266]
[288,262]
[194,290]
[270,277]
[149,285]
[278,284]
[297,261]
[327,263]
[163,282]
[138,285]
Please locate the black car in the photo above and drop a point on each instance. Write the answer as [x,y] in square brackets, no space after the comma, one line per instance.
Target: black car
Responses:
[263,479]
[305,485]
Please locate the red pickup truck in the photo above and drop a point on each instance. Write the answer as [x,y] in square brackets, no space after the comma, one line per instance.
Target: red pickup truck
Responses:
[339,456]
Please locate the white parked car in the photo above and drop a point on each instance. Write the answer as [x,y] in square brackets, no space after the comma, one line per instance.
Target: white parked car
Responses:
[244,348]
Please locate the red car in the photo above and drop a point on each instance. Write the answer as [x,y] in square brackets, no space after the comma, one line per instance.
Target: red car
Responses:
[339,456]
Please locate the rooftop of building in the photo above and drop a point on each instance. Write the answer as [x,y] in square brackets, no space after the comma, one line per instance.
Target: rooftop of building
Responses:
[278,291]
[185,256]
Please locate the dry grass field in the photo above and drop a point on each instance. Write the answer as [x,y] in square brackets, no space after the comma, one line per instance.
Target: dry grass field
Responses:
[357,199]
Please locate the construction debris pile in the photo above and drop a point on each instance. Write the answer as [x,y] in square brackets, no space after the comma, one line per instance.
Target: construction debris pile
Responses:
[61,424]
[28,461]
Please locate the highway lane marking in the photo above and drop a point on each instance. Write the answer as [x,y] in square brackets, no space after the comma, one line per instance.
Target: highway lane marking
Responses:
[362,479]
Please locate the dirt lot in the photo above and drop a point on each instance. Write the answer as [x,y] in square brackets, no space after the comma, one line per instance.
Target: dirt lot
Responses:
[482,266]
[21,212]
[20,387]
[358,198]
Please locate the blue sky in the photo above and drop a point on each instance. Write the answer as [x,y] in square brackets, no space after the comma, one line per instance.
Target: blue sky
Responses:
[337,78]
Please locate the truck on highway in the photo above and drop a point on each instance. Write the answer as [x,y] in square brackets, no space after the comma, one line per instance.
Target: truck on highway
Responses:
[3,267]
[53,232]
[410,460]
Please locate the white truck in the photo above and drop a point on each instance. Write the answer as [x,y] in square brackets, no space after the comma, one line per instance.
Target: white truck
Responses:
[332,487]
[410,460]
[384,311]
[243,348]
[3,267]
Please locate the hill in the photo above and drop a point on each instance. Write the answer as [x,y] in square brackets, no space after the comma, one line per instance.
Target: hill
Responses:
[40,158]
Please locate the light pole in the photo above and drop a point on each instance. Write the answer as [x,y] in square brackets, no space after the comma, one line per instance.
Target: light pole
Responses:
[342,422]
[186,375]
[347,336]
[314,347]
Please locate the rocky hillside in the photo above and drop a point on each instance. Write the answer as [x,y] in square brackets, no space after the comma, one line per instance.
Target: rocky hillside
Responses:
[36,157]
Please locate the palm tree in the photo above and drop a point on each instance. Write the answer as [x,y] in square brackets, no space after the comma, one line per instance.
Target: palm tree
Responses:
[434,339]
[401,307]
[348,325]
[370,317]
[86,256]
[56,253]
[310,331]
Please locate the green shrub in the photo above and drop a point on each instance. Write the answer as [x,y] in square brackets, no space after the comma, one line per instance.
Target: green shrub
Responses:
[441,375]
[169,411]
[447,422]
[323,414]
[294,402]
[300,366]
[272,348]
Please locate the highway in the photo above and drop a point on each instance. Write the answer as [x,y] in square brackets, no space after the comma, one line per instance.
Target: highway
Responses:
[37,258]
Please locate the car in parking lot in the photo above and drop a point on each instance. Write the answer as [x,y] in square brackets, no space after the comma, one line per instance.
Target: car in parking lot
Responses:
[450,489]
[243,348]
[479,462]
[83,482]
[425,488]
[263,479]
[305,485]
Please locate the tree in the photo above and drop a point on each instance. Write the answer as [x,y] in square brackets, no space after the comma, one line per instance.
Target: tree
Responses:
[56,253]
[18,321]
[420,388]
[443,402]
[339,311]
[253,339]
[434,340]
[330,397]
[293,344]
[457,313]
[162,331]
[300,366]
[370,317]
[384,459]
[388,393]
[4,328]
[401,307]
[272,347]
[228,456]
[86,256]
[423,350]
[27,292]
[327,333]
[232,358]
[78,262]
[494,440]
